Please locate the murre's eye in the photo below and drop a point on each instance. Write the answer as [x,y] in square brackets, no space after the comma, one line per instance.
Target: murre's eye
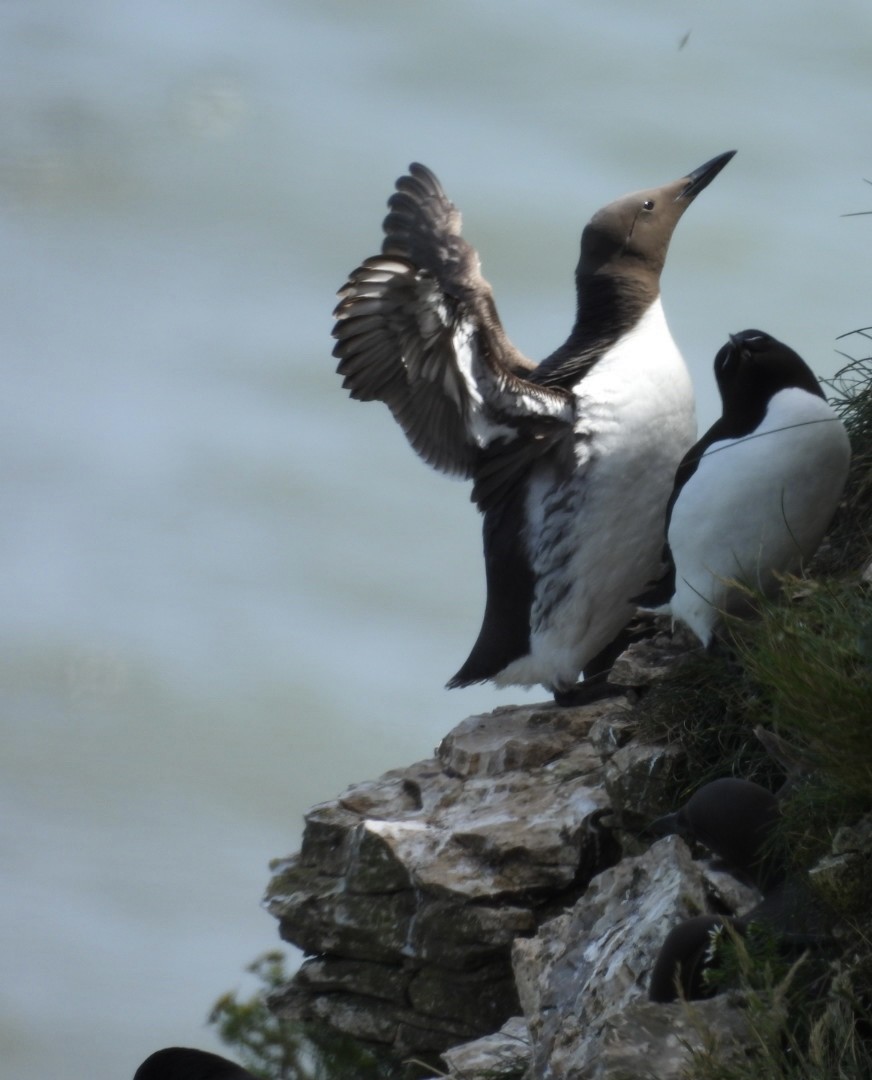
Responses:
[648,204]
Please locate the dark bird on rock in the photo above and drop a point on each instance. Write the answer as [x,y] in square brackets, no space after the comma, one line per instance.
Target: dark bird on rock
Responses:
[736,820]
[571,459]
[183,1063]
[753,498]
[685,957]
[733,818]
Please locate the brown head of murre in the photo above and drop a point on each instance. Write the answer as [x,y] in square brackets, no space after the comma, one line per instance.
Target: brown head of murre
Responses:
[640,225]
[572,459]
[623,252]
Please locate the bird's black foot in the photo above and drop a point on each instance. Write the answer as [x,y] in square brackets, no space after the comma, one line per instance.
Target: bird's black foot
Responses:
[585,693]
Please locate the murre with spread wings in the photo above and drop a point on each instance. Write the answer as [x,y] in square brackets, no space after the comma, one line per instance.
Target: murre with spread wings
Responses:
[753,498]
[572,460]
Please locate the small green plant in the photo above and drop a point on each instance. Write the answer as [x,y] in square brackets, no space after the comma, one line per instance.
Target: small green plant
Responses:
[268,1046]
[751,960]
[277,1049]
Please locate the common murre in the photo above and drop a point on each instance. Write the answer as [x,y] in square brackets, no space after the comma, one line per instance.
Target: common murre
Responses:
[754,497]
[571,459]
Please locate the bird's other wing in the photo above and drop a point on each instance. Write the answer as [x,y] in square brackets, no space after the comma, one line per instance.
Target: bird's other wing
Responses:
[417,328]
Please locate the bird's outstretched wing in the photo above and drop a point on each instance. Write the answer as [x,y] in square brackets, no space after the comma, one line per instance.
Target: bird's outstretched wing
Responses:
[417,328]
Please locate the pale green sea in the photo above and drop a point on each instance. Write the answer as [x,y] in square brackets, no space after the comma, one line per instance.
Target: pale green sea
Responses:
[226,591]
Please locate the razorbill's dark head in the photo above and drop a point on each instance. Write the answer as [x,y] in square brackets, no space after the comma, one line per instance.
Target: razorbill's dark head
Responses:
[184,1063]
[750,370]
[635,230]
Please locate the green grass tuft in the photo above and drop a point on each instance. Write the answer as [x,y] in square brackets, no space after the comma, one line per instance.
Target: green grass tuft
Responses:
[811,661]
[804,1026]
[709,705]
[849,543]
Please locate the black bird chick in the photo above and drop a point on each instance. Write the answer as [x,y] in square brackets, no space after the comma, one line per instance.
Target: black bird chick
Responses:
[684,958]
[734,819]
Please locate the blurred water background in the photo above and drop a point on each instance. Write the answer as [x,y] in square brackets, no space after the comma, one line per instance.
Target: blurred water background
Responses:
[228,591]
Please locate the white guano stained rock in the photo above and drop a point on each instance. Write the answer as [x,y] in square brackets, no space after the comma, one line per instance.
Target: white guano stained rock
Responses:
[587,966]
[409,890]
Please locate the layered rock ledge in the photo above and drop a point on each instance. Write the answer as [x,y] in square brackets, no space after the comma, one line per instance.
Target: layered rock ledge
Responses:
[479,904]
[409,890]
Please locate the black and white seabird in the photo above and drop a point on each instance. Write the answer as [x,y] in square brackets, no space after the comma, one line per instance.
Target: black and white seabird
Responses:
[753,498]
[571,459]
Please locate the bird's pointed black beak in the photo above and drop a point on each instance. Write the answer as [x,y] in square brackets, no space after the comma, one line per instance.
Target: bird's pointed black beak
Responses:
[701,178]
[668,825]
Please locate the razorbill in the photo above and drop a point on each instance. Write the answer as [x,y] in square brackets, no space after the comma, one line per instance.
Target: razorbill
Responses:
[752,499]
[571,459]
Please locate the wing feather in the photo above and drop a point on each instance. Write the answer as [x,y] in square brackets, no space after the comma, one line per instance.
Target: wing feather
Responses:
[417,328]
